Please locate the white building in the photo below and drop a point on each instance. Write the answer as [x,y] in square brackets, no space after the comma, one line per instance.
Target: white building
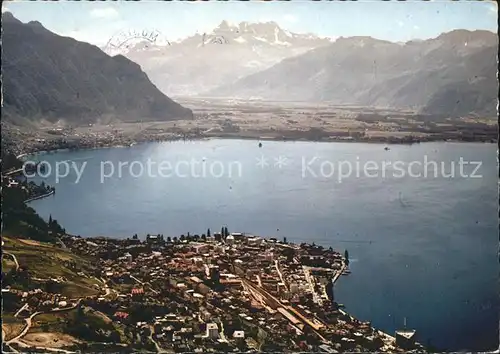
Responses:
[238,334]
[254,241]
[212,330]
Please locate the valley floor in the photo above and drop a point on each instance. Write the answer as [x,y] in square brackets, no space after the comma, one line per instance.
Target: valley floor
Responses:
[265,120]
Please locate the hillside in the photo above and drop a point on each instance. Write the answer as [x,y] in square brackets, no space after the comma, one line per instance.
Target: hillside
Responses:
[454,74]
[49,77]
[29,264]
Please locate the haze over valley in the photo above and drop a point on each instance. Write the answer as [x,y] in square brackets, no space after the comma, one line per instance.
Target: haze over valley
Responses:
[452,74]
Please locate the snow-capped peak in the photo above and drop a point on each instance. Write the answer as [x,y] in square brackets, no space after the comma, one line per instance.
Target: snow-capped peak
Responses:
[226,26]
[263,33]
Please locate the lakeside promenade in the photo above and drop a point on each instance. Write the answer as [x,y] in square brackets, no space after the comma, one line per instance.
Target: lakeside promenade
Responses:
[40,196]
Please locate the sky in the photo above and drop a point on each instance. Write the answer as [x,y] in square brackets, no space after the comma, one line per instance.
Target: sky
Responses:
[98,22]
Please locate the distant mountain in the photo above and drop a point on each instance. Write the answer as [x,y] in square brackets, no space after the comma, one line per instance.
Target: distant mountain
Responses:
[49,77]
[453,74]
[206,60]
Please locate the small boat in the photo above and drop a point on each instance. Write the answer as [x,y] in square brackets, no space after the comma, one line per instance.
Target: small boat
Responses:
[386,148]
[260,145]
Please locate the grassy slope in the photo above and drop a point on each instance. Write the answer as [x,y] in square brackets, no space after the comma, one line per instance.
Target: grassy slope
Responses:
[11,325]
[44,260]
[7,264]
[57,323]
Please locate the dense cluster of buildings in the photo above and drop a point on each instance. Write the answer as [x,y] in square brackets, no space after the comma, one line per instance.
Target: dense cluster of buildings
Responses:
[68,138]
[230,292]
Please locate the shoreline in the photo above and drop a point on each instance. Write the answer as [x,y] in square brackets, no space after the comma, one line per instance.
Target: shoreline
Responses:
[336,277]
[39,197]
[251,138]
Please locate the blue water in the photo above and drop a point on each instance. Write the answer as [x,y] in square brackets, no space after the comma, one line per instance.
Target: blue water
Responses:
[421,248]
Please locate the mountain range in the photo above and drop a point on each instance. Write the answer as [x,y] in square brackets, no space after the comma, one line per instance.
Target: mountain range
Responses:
[54,78]
[204,61]
[454,74]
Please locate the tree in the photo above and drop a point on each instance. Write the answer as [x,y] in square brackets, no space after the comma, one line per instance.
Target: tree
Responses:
[50,219]
[126,331]
[134,237]
[183,237]
[226,232]
[222,231]
[289,253]
[175,239]
[203,237]
[33,301]
[169,239]
[80,310]
[284,240]
[115,336]
[208,232]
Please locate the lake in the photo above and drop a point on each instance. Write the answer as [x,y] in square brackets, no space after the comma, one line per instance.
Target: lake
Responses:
[422,246]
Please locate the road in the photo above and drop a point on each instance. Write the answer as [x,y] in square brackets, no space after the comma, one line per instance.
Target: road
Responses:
[389,341]
[275,303]
[24,345]
[25,330]
[17,340]
[137,280]
[256,295]
[20,310]
[63,245]
[29,319]
[316,298]
[107,289]
[151,332]
[67,308]
[276,264]
[8,346]
[339,272]
[15,259]
[143,283]
[222,335]
[13,172]
[259,281]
